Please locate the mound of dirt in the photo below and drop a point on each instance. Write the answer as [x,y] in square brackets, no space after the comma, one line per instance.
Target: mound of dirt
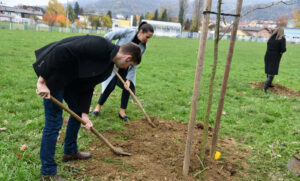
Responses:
[277,89]
[158,154]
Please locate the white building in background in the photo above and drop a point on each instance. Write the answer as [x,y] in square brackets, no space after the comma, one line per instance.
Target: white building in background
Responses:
[162,28]
[292,35]
[21,14]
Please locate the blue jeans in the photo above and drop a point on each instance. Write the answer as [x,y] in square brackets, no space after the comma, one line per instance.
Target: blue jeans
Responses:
[53,123]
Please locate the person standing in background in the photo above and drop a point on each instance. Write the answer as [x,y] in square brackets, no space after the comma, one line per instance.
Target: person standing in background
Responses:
[275,48]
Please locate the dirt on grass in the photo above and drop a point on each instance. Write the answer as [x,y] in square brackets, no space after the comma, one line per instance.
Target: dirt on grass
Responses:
[277,89]
[158,154]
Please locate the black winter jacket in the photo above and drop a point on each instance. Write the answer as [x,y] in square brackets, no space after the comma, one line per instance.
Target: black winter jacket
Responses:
[79,62]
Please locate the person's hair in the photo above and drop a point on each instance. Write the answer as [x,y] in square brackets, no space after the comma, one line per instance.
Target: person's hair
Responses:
[278,34]
[132,49]
[145,27]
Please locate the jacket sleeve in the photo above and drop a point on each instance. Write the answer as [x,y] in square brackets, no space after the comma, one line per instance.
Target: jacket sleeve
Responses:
[131,73]
[283,45]
[116,35]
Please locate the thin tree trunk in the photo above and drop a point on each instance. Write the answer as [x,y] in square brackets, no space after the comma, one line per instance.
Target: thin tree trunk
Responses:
[211,84]
[225,78]
[197,82]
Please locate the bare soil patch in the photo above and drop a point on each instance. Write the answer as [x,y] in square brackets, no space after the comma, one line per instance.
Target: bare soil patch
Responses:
[277,89]
[158,155]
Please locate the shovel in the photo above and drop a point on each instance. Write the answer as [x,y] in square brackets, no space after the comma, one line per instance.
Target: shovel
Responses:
[136,100]
[117,151]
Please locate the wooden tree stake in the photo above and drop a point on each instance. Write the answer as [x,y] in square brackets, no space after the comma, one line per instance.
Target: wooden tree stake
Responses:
[198,75]
[225,77]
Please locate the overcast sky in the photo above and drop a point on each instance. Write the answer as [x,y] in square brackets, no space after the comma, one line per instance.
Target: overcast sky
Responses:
[28,2]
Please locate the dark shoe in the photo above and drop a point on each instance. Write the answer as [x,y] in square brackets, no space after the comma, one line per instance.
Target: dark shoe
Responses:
[95,114]
[77,156]
[52,178]
[125,118]
[265,90]
[271,86]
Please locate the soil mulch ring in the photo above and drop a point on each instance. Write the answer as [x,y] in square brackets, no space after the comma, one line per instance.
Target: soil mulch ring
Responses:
[277,89]
[158,154]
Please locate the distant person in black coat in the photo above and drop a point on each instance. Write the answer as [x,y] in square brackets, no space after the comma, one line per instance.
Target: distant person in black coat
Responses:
[275,48]
[69,69]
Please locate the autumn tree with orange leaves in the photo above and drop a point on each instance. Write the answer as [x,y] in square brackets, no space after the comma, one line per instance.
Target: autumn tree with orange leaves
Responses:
[55,13]
[50,19]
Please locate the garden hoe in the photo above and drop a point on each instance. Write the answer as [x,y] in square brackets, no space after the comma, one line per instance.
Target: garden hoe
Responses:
[136,100]
[117,151]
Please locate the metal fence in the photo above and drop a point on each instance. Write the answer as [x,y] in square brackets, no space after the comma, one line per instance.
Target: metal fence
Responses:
[41,27]
[38,27]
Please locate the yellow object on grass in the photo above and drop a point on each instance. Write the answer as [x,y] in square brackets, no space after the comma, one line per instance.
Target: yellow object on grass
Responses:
[217,155]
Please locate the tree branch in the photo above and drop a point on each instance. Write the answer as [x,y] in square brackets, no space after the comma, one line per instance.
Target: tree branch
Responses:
[289,2]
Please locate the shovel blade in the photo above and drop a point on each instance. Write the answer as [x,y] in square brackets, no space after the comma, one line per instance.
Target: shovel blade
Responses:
[119,151]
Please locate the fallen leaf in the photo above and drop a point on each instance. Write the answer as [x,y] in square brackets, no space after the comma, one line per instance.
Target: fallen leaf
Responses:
[5,121]
[295,143]
[253,86]
[237,122]
[23,147]
[3,129]
[19,156]
[93,148]
[12,112]
[224,113]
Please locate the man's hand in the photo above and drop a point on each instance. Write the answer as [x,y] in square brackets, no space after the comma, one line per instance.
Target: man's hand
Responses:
[88,124]
[42,89]
[127,85]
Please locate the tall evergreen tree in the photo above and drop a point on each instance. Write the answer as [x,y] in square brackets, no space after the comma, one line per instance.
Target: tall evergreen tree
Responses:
[180,16]
[76,9]
[164,16]
[71,13]
[187,24]
[183,5]
[155,15]
[141,18]
[109,14]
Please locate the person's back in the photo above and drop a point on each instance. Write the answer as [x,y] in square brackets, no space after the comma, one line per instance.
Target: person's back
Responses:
[275,45]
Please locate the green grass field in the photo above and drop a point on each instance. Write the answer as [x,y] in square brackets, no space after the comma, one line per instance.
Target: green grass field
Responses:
[267,124]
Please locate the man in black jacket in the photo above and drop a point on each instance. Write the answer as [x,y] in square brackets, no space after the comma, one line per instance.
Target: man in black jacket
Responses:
[69,69]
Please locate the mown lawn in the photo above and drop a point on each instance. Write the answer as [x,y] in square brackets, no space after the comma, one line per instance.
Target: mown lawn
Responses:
[267,124]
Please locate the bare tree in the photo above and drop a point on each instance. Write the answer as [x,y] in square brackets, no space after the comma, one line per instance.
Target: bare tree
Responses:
[197,15]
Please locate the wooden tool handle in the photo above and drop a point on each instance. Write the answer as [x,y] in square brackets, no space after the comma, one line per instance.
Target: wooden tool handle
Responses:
[99,135]
[136,100]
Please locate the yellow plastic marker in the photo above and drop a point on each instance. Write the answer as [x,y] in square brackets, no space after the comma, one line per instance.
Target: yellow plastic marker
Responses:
[217,155]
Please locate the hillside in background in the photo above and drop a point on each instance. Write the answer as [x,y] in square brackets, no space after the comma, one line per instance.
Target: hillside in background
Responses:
[129,7]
